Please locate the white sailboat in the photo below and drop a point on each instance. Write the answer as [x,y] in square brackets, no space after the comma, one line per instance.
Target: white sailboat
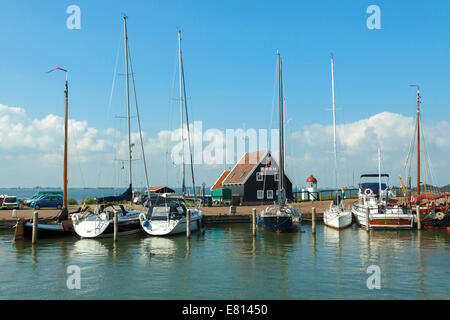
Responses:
[99,223]
[336,216]
[167,215]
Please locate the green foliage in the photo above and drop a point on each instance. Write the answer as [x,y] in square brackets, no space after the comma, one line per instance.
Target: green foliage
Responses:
[88,200]
[72,201]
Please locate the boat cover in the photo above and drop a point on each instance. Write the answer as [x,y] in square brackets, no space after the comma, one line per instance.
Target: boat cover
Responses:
[126,196]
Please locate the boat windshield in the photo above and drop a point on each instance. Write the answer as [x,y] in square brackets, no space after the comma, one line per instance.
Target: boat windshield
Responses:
[160,211]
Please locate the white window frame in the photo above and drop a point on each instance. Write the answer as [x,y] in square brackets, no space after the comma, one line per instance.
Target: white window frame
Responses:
[260,194]
[269,194]
[259,176]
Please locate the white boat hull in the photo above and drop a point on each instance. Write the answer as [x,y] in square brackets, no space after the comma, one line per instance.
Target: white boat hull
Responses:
[100,225]
[393,218]
[174,226]
[337,218]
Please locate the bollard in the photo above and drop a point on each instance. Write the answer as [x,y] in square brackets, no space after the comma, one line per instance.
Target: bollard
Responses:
[14,213]
[254,221]
[115,220]
[367,219]
[188,224]
[313,218]
[35,227]
[18,234]
[419,223]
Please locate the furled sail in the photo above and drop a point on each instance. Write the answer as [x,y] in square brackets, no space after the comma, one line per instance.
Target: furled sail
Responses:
[126,196]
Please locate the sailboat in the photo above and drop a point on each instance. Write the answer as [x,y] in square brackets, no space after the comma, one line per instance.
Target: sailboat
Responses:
[432,212]
[336,216]
[280,217]
[381,205]
[167,214]
[61,224]
[99,222]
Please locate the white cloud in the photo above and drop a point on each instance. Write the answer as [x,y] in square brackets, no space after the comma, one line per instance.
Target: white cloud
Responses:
[32,150]
[358,143]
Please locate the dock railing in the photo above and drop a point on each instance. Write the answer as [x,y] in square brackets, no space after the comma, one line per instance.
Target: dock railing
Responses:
[324,195]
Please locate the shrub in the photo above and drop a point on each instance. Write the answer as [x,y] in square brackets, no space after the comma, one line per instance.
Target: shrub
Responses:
[88,200]
[72,201]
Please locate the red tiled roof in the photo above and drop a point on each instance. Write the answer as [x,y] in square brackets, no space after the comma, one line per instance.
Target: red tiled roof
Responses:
[155,188]
[244,167]
[219,181]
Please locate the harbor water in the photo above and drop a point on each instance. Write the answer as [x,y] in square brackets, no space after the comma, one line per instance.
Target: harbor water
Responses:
[226,262]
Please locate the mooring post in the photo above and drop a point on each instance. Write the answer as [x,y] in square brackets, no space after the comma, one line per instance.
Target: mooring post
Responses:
[254,221]
[188,224]
[115,219]
[367,219]
[35,227]
[313,218]
[419,224]
[18,234]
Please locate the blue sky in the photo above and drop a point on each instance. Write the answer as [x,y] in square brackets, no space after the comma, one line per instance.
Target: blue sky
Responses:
[229,54]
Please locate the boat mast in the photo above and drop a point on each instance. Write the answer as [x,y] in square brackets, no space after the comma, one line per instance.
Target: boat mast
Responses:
[66,129]
[334,127]
[282,196]
[418,141]
[128,96]
[180,64]
[379,175]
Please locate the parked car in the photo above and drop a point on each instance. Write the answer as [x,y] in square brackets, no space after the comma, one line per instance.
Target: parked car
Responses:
[41,193]
[47,201]
[10,202]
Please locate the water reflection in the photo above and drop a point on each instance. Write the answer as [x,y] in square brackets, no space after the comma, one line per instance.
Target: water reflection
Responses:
[90,247]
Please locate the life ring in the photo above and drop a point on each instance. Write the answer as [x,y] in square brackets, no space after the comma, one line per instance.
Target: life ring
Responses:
[368,192]
[413,199]
[440,215]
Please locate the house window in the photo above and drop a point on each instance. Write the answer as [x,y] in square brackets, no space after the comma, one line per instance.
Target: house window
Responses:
[260,194]
[277,177]
[259,176]
[269,194]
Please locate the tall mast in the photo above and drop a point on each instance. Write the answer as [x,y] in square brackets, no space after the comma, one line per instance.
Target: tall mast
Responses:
[334,126]
[418,141]
[66,125]
[66,129]
[379,175]
[128,94]
[281,186]
[180,64]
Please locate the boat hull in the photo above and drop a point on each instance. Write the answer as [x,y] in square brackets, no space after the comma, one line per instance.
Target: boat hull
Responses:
[172,227]
[277,223]
[49,230]
[337,219]
[437,218]
[393,219]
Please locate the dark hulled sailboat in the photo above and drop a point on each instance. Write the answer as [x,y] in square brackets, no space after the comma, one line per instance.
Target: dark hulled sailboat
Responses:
[280,217]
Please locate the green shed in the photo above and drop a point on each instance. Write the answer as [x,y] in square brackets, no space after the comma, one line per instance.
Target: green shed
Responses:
[221,194]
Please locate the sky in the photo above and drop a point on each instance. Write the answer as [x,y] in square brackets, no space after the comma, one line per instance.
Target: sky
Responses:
[229,54]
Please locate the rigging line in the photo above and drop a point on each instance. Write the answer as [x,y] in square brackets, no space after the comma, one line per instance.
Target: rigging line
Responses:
[269,137]
[187,125]
[114,79]
[76,148]
[169,118]
[138,118]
